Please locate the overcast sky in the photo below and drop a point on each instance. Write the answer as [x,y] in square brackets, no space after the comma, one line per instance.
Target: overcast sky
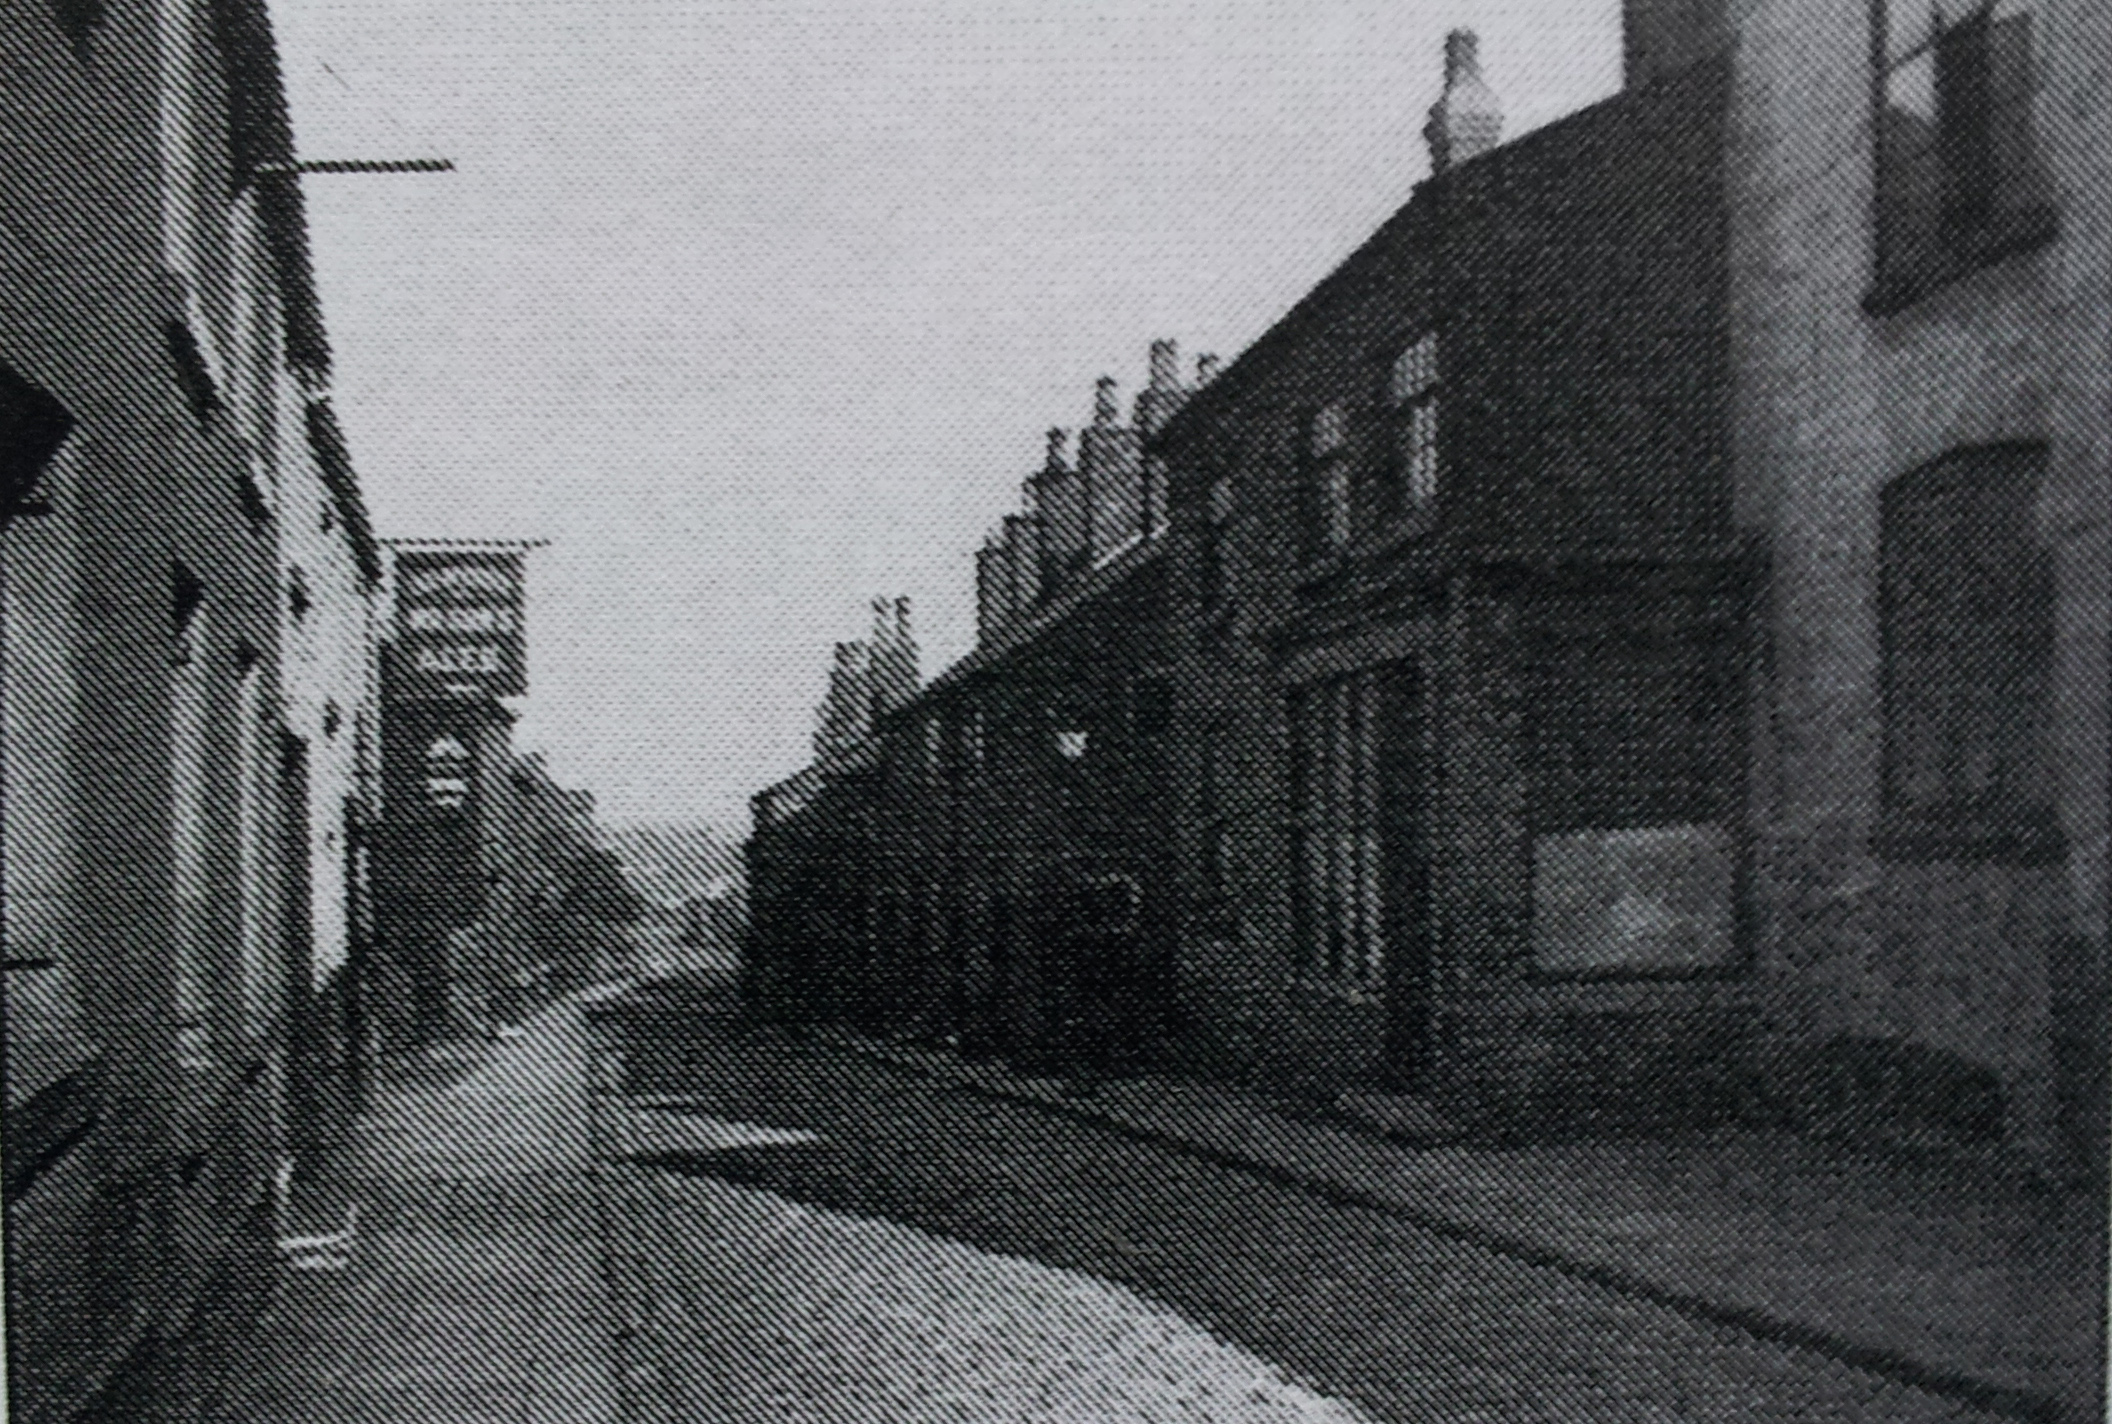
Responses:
[758,310]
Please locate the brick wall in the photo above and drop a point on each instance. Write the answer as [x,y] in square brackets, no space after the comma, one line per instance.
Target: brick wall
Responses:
[1581,294]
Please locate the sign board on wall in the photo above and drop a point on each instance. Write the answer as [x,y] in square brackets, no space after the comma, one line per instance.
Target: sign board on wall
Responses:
[1654,899]
[458,621]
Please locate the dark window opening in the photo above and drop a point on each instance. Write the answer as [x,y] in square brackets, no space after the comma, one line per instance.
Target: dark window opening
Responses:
[1960,182]
[77,20]
[186,593]
[193,377]
[33,425]
[1967,608]
[1632,722]
[1326,481]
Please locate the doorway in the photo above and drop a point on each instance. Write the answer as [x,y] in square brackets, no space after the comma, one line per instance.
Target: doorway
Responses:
[1404,834]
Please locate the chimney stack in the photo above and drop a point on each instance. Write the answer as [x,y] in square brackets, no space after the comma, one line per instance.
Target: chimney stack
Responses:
[1104,401]
[1466,120]
[1206,368]
[1054,464]
[1162,394]
[1661,37]
[1165,365]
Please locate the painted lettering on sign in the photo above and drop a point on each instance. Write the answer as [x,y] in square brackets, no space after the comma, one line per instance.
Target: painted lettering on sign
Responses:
[459,621]
[465,578]
[450,659]
[462,620]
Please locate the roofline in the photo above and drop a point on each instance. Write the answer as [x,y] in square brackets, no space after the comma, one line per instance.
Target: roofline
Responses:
[1258,361]
[1103,580]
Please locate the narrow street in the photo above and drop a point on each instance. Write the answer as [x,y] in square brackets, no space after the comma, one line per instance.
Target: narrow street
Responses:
[618,1216]
[900,1251]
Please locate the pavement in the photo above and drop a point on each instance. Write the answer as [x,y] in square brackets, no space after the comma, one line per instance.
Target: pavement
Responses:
[847,1230]
[513,1257]
[472,1287]
[1947,1275]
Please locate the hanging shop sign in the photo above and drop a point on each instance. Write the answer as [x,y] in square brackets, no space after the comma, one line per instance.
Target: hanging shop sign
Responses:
[458,621]
[448,769]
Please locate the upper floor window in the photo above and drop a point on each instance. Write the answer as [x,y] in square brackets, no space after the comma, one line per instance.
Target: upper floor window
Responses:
[1411,456]
[1327,480]
[1959,179]
[1967,606]
[33,427]
[934,744]
[1212,575]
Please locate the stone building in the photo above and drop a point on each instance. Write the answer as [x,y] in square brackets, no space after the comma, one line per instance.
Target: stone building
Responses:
[188,665]
[1644,641]
[1921,253]
[807,855]
[1628,648]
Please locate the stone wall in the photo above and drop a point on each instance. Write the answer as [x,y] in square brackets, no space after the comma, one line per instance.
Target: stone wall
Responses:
[1833,402]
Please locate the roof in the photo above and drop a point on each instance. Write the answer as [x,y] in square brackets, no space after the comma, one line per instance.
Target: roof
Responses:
[1108,576]
[327,439]
[261,139]
[1397,245]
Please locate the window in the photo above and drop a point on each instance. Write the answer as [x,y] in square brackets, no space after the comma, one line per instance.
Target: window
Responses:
[1213,578]
[33,427]
[1335,846]
[1411,455]
[1968,609]
[1959,181]
[1210,824]
[1327,480]
[1634,705]
[77,20]
[191,825]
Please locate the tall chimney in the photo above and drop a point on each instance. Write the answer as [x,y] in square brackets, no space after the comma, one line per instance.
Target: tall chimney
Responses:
[1165,365]
[1466,120]
[1061,501]
[1660,37]
[1104,401]
[1162,394]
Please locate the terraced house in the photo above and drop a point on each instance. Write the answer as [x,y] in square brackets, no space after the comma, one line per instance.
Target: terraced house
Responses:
[1627,649]
[188,697]
[1466,632]
[1645,643]
[990,862]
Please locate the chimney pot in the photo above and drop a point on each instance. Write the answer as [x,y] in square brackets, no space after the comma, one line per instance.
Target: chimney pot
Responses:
[1165,365]
[1466,120]
[1054,462]
[1104,401]
[1462,56]
[1206,368]
[1661,37]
